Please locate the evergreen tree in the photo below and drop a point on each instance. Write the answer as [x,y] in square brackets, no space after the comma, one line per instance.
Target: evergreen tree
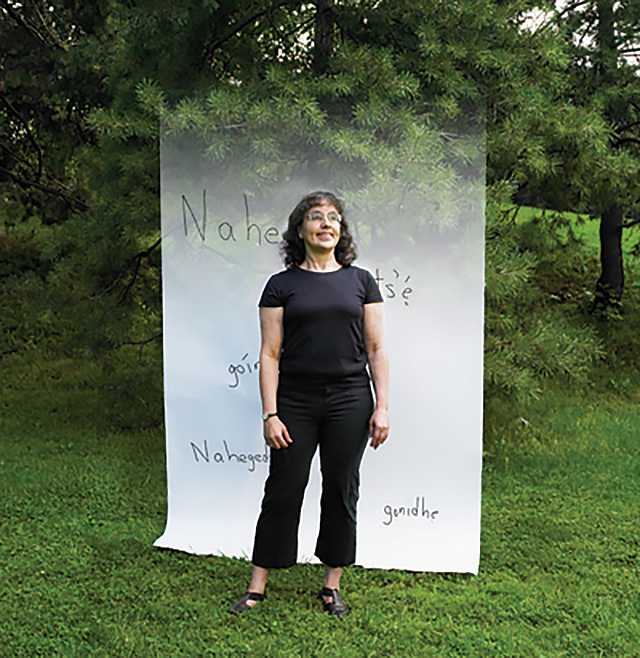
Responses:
[596,171]
[312,86]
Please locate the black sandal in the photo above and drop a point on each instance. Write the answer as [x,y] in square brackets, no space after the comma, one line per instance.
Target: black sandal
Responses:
[242,606]
[337,606]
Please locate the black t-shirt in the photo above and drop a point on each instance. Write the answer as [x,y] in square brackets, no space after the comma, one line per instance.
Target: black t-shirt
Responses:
[323,323]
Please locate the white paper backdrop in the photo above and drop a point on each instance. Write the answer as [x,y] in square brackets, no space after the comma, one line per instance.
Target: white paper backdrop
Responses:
[420,492]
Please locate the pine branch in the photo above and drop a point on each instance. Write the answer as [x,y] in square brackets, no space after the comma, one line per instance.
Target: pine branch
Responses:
[7,6]
[298,28]
[236,29]
[623,129]
[16,155]
[626,140]
[133,261]
[56,39]
[25,124]
[586,29]
[23,182]
[142,344]
[7,352]
[391,32]
[572,7]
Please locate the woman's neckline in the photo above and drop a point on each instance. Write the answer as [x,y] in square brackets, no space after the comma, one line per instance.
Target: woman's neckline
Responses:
[302,269]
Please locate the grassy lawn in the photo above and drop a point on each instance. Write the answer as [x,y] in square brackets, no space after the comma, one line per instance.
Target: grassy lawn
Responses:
[584,228]
[82,504]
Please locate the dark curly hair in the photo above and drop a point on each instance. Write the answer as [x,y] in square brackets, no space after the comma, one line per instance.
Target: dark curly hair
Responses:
[292,246]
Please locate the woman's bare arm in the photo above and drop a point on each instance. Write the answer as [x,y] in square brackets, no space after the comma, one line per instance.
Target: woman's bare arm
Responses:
[379,366]
[271,331]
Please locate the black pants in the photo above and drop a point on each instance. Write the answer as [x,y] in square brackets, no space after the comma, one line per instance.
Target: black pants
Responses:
[336,418]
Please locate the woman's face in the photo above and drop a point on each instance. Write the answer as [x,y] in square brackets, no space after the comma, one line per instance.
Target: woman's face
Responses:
[320,228]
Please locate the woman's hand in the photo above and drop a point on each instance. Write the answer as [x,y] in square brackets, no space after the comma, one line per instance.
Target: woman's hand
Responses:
[276,434]
[378,428]
[379,367]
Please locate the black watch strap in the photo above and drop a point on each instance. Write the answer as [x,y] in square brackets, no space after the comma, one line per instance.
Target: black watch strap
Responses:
[267,416]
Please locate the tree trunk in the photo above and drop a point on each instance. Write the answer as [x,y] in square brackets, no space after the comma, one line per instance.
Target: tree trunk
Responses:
[324,36]
[607,46]
[611,281]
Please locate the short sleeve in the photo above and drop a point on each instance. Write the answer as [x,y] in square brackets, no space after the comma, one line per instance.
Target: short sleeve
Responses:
[372,294]
[272,296]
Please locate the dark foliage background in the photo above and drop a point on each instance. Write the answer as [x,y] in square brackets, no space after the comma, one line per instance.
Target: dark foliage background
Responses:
[84,88]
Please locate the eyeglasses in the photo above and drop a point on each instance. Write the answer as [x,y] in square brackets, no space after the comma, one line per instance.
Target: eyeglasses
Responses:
[317,216]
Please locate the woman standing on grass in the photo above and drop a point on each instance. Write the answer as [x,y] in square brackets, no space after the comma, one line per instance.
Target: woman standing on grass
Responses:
[321,326]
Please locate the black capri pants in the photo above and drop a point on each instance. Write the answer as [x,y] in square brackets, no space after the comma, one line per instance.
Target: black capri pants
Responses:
[335,418]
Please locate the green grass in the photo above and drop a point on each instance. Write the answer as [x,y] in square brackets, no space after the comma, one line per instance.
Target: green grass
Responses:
[81,505]
[585,231]
[584,228]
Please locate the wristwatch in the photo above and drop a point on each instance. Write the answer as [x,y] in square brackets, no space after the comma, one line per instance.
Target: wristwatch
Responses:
[267,416]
